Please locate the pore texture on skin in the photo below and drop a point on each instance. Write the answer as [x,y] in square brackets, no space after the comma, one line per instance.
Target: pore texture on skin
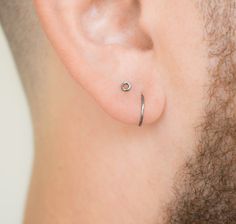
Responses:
[205,191]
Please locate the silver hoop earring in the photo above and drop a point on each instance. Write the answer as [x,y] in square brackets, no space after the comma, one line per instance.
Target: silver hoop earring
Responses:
[142,110]
[126,87]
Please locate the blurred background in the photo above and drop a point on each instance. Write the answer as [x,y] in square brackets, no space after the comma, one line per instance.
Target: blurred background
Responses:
[16,140]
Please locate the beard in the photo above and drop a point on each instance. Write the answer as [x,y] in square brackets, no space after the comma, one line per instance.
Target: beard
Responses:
[205,190]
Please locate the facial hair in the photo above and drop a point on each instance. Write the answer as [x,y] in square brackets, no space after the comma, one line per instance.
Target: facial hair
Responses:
[205,191]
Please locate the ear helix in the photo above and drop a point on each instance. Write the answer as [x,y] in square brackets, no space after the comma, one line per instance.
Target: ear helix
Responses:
[126,87]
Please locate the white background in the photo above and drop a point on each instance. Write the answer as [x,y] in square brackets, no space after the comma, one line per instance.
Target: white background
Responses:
[16,141]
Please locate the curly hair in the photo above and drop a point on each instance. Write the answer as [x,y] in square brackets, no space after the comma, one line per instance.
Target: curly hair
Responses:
[205,190]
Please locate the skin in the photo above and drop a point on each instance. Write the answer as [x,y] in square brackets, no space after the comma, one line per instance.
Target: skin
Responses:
[91,168]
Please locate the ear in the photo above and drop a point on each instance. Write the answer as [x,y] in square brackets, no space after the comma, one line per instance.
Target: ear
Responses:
[103,44]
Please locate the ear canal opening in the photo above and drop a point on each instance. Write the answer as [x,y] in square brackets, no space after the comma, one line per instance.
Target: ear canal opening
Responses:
[115,22]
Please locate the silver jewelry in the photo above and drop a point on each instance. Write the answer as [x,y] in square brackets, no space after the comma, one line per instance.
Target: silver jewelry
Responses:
[142,110]
[126,86]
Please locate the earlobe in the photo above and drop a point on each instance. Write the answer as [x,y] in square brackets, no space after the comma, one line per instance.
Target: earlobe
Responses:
[102,48]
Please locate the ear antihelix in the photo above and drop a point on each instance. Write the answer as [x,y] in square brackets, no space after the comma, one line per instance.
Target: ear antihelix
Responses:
[115,22]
